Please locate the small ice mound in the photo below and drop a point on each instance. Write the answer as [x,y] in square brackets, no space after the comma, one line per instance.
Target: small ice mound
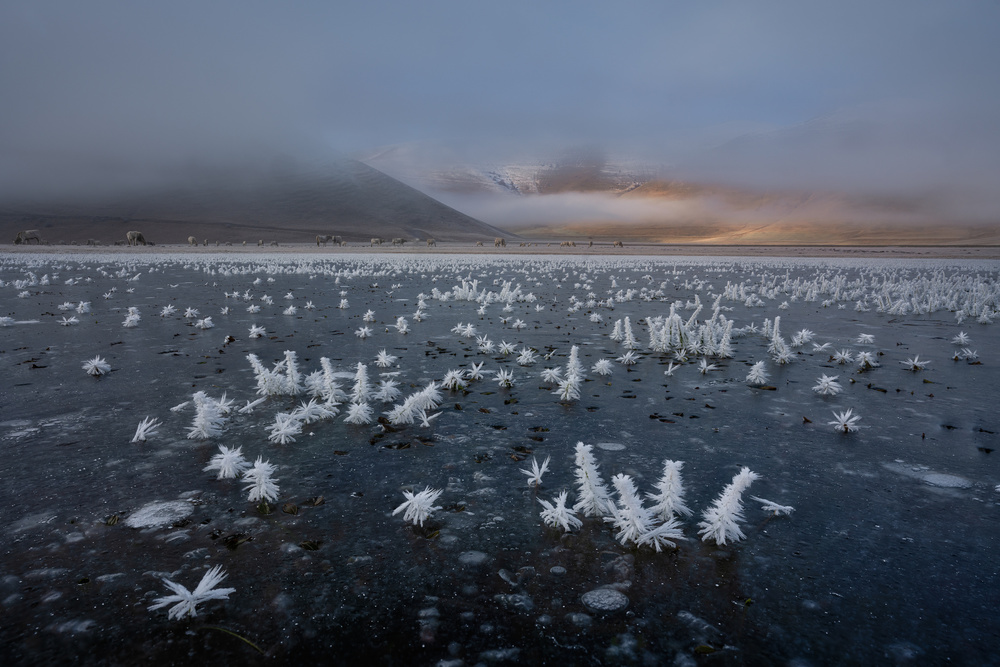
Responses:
[604,600]
[947,481]
[611,446]
[158,514]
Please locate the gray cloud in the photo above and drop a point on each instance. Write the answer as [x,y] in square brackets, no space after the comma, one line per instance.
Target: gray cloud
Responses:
[102,93]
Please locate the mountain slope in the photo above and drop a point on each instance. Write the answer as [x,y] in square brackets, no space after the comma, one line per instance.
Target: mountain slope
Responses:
[285,203]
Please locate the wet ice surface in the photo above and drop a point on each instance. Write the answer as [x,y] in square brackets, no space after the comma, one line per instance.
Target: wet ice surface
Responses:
[888,557]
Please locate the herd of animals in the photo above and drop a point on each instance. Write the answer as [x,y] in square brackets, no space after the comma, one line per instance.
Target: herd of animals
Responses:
[133,238]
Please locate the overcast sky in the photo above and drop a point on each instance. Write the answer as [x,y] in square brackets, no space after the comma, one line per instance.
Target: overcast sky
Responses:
[863,94]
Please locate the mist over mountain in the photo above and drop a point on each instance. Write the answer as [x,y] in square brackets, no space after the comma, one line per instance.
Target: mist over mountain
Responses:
[284,201]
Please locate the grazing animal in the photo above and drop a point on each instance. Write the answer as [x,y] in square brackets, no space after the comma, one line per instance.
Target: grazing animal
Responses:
[431,242]
[274,243]
[260,243]
[568,244]
[328,238]
[135,238]
[192,240]
[343,244]
[27,236]
[479,244]
[375,241]
[499,242]
[398,241]
[523,245]
[619,244]
[92,242]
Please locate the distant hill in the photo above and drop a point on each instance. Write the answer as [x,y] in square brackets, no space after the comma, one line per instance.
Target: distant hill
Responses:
[288,203]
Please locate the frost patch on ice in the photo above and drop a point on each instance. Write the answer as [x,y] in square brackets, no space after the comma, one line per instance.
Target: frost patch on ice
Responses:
[928,476]
[159,514]
[611,446]
[947,481]
[31,521]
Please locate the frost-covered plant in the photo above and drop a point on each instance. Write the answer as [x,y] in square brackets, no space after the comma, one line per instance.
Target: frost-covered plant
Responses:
[418,506]
[704,367]
[69,321]
[205,323]
[506,348]
[387,390]
[593,498]
[569,389]
[229,463]
[208,419]
[359,413]
[259,481]
[773,507]
[843,357]
[369,316]
[284,429]
[363,332]
[248,408]
[721,521]
[551,375]
[628,358]
[146,428]
[96,366]
[634,522]
[526,357]
[558,515]
[186,602]
[757,375]
[916,363]
[865,339]
[486,346]
[603,367]
[402,326]
[669,501]
[361,391]
[384,359]
[961,339]
[828,386]
[191,313]
[845,421]
[475,371]
[866,361]
[293,378]
[344,304]
[671,369]
[413,405]
[257,331]
[536,472]
[454,380]
[505,378]
[291,310]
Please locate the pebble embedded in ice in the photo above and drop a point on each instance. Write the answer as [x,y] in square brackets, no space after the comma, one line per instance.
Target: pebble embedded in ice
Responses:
[515,601]
[159,514]
[604,600]
[472,558]
[611,446]
[557,570]
[578,619]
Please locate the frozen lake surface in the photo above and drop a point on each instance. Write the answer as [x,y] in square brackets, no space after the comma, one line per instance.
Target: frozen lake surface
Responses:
[888,557]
